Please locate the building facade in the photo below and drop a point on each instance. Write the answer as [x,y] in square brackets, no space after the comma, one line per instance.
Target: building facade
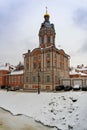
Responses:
[46,65]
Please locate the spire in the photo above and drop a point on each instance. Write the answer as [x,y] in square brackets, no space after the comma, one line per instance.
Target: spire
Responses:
[46,9]
[46,15]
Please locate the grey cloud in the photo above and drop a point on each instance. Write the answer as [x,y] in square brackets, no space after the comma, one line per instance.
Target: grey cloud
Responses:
[80,18]
[83,49]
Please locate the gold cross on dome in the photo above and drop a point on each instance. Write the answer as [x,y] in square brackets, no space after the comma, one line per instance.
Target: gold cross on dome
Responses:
[46,9]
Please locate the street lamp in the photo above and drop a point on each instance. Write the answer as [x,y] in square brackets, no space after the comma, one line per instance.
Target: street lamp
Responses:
[38,79]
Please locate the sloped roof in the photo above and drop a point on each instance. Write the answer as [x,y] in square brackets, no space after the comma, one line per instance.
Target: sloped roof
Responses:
[4,68]
[17,72]
[74,72]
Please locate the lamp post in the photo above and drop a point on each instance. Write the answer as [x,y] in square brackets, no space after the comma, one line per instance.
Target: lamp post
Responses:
[38,80]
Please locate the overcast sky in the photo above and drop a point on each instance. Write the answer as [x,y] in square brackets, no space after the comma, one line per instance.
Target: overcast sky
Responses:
[20,21]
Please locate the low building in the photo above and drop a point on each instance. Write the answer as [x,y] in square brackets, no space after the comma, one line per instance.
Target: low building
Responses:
[78,72]
[15,79]
[11,76]
[4,70]
[77,75]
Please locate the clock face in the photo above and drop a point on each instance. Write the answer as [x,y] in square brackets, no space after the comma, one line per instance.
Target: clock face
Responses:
[47,24]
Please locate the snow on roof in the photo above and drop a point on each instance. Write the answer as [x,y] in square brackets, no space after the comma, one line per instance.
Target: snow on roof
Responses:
[7,66]
[4,67]
[17,72]
[47,47]
[83,74]
[80,69]
[73,72]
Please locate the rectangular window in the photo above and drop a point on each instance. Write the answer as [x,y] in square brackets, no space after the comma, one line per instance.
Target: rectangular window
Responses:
[53,40]
[55,78]
[48,78]
[39,66]
[0,73]
[26,79]
[14,78]
[39,57]
[48,39]
[19,79]
[34,58]
[55,56]
[27,63]
[61,57]
[55,64]
[61,65]
[48,55]
[34,79]
[34,66]
[42,40]
[27,66]
[48,64]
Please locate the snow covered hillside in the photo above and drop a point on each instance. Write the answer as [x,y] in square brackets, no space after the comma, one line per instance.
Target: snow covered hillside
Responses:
[64,110]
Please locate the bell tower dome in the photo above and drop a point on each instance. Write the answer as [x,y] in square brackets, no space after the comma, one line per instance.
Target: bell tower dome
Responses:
[46,32]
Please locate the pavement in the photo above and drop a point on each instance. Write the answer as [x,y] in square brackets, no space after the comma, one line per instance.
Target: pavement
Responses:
[21,122]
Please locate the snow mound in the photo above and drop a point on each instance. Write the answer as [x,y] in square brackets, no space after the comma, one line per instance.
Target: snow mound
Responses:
[64,111]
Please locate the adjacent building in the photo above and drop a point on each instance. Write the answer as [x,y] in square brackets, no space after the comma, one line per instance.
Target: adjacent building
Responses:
[78,72]
[11,76]
[4,70]
[46,65]
[77,75]
[15,79]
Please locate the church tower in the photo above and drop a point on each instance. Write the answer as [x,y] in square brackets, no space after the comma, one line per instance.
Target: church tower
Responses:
[46,65]
[46,33]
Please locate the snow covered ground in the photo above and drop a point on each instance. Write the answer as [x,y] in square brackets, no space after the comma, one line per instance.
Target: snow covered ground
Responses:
[64,110]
